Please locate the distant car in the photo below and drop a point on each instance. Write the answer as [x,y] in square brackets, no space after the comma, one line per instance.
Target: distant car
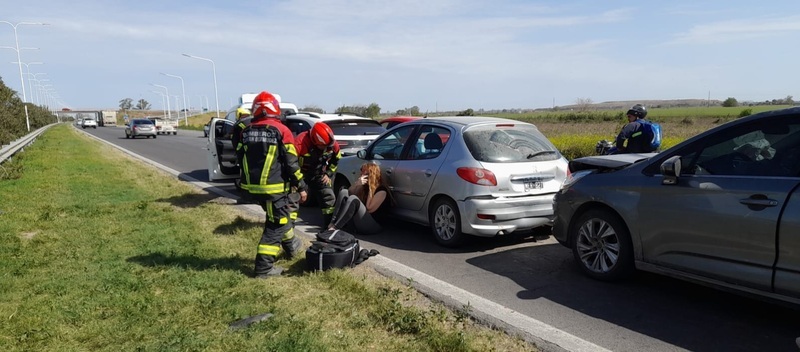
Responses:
[89,122]
[721,208]
[164,126]
[480,176]
[140,127]
[352,132]
[390,122]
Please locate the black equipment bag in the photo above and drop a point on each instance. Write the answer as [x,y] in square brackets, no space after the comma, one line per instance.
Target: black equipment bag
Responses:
[332,249]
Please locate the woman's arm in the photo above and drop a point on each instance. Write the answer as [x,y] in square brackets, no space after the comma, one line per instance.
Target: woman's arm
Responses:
[374,202]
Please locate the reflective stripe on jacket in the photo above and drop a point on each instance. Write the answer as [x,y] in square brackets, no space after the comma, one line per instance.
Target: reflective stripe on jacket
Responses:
[268,159]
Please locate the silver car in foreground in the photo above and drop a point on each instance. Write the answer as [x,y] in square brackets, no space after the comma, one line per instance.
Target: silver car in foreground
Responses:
[721,208]
[466,175]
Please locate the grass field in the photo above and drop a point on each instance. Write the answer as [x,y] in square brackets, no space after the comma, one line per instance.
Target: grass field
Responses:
[102,253]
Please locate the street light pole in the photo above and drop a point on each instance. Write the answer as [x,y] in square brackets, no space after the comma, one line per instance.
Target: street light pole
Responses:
[28,68]
[19,61]
[214,68]
[163,102]
[38,85]
[169,113]
[185,108]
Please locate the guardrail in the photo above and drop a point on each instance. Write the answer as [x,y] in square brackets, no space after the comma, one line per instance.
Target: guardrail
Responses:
[7,151]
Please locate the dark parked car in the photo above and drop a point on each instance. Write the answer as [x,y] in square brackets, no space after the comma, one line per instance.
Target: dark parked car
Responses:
[721,208]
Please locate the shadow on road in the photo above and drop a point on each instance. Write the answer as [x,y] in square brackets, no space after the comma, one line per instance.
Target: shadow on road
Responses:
[680,313]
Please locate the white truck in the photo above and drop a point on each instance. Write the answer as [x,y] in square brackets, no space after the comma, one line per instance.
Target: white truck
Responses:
[165,126]
[108,118]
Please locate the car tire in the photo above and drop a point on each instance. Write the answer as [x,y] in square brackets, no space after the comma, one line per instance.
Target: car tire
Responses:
[339,182]
[601,244]
[154,136]
[175,133]
[445,222]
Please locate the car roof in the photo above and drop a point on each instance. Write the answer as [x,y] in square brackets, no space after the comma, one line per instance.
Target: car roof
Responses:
[313,117]
[400,118]
[461,121]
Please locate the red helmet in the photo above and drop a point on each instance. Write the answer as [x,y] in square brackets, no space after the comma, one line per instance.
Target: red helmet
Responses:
[321,135]
[265,105]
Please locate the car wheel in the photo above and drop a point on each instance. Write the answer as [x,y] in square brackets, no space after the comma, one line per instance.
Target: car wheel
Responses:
[445,223]
[339,182]
[175,133]
[154,136]
[601,244]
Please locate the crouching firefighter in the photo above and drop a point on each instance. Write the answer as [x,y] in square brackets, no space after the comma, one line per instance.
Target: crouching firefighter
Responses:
[319,157]
[269,171]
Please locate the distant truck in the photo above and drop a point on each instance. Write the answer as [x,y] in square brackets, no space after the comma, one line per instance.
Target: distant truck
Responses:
[108,118]
[165,126]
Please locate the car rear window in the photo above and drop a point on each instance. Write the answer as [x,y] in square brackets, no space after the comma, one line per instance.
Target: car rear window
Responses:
[142,122]
[509,143]
[355,127]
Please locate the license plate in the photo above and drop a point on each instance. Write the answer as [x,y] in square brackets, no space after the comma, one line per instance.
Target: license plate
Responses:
[533,185]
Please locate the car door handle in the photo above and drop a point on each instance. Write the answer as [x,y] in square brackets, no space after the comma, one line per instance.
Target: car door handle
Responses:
[388,171]
[428,172]
[759,202]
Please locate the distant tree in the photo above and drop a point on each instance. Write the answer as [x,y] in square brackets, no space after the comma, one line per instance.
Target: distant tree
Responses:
[142,105]
[583,104]
[313,108]
[468,112]
[372,111]
[126,104]
[789,100]
[414,111]
[730,102]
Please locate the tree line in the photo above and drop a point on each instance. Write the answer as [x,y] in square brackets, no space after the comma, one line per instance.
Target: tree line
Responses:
[12,115]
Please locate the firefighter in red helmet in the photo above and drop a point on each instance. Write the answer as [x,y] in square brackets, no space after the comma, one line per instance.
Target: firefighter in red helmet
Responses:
[319,156]
[269,168]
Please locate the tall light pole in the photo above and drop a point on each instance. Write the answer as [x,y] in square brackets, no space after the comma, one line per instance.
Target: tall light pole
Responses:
[163,102]
[185,108]
[28,69]
[214,68]
[38,84]
[19,61]
[169,113]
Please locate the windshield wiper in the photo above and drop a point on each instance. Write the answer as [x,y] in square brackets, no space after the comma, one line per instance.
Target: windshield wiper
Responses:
[533,155]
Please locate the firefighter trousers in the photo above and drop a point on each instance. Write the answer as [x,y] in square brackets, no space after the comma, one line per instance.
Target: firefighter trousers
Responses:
[278,234]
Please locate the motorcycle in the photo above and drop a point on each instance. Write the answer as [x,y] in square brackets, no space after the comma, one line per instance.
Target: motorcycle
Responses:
[604,147]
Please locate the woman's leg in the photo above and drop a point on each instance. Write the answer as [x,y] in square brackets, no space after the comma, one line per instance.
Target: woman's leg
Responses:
[364,222]
[338,207]
[346,211]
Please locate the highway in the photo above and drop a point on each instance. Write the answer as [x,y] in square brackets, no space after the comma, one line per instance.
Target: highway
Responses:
[538,279]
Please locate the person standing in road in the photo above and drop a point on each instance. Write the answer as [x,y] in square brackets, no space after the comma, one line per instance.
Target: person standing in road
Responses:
[638,139]
[319,156]
[269,171]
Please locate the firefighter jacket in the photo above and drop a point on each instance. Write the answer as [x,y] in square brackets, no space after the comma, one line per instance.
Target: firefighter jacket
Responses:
[268,160]
[315,162]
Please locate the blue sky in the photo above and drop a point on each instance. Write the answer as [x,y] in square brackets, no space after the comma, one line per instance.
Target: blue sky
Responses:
[437,55]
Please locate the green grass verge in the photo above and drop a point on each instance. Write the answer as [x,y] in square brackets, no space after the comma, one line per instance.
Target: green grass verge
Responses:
[102,253]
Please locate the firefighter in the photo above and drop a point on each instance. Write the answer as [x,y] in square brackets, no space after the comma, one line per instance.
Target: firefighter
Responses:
[319,156]
[269,171]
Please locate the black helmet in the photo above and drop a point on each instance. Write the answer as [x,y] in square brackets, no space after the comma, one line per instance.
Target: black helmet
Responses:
[638,110]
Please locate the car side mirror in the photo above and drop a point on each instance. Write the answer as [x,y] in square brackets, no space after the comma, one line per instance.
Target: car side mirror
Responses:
[361,154]
[671,169]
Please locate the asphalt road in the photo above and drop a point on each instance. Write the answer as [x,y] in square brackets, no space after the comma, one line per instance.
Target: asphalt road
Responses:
[538,278]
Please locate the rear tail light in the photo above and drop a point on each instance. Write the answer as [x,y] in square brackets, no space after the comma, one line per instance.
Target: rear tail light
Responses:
[477,176]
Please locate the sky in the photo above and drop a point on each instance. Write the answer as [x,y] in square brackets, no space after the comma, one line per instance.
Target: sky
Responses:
[438,55]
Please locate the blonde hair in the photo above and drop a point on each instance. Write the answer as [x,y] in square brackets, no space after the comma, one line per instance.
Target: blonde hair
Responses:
[374,180]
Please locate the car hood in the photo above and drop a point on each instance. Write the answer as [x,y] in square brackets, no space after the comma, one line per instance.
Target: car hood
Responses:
[608,162]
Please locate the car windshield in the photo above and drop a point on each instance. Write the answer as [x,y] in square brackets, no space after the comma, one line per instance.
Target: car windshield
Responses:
[355,127]
[509,143]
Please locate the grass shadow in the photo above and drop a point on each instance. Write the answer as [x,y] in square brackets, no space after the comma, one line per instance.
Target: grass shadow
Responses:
[245,266]
[238,224]
[193,200]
